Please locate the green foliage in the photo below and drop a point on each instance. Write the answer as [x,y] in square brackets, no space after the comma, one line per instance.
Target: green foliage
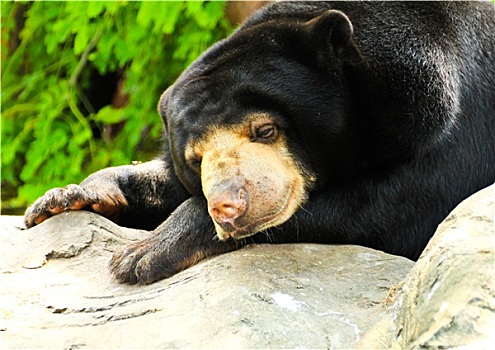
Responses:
[51,134]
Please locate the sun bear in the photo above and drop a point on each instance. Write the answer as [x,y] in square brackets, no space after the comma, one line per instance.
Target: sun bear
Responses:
[338,123]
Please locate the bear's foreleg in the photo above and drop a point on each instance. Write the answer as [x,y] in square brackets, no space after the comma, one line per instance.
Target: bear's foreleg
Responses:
[118,193]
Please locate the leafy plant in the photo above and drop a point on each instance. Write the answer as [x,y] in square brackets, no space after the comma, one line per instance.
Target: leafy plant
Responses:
[56,126]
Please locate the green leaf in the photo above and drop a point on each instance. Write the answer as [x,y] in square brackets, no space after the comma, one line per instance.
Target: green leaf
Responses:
[81,40]
[122,52]
[95,8]
[109,115]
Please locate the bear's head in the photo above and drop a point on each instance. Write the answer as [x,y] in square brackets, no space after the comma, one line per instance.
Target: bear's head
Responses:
[255,123]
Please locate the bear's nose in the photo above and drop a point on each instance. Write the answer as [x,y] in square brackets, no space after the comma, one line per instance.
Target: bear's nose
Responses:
[227,205]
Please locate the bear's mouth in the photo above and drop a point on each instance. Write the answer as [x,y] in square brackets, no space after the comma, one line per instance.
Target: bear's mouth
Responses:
[226,230]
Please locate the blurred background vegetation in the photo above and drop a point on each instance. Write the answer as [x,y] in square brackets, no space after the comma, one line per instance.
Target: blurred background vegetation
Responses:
[81,83]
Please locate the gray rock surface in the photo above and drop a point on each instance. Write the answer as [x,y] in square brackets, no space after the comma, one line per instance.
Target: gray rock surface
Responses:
[56,291]
[60,295]
[448,298]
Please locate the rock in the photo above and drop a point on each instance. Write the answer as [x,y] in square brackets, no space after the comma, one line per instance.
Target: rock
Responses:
[57,291]
[448,298]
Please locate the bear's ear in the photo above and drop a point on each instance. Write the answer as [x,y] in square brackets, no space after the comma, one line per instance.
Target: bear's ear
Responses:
[332,30]
[162,107]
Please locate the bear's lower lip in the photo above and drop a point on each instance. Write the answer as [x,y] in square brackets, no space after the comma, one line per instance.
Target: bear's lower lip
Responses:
[230,231]
[243,232]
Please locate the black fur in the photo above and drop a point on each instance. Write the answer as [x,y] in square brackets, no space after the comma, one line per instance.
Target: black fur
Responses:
[393,111]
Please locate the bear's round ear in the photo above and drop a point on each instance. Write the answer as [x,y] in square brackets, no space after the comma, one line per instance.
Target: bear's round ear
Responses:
[162,106]
[332,27]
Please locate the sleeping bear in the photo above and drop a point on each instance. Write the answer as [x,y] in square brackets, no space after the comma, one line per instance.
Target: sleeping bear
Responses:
[338,123]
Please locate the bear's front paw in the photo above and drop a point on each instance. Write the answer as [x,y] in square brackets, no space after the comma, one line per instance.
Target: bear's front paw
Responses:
[57,200]
[141,262]
[101,198]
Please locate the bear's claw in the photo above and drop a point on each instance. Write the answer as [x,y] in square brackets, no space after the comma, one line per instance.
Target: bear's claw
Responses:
[57,200]
[140,262]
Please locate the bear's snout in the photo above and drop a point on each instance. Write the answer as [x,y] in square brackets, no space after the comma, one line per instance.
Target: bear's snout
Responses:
[227,205]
